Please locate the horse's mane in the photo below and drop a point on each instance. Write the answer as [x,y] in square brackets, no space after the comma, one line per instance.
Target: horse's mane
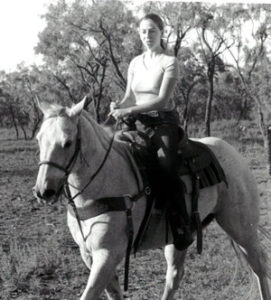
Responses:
[101,132]
[104,134]
[98,128]
[55,110]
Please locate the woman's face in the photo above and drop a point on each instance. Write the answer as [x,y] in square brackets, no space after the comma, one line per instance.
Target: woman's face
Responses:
[150,34]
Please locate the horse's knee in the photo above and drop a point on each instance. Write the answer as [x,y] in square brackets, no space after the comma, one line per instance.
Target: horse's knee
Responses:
[173,277]
[113,290]
[86,257]
[258,261]
[175,266]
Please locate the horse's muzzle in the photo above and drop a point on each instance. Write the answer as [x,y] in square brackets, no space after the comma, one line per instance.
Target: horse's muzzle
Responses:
[46,194]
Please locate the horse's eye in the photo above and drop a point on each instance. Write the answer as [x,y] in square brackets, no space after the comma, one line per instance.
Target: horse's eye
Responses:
[67,144]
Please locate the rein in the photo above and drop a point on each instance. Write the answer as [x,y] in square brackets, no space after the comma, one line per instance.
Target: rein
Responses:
[67,191]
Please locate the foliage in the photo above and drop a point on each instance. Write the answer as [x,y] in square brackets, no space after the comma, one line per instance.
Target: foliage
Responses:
[90,48]
[18,101]
[86,46]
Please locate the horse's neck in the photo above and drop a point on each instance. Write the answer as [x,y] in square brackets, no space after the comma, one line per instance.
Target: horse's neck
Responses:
[116,177]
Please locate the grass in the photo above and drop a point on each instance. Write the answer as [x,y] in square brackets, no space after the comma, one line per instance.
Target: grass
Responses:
[39,260]
[24,266]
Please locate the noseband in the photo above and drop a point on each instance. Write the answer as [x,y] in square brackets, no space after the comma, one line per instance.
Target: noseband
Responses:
[72,160]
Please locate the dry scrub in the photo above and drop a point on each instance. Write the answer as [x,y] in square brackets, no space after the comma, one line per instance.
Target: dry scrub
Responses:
[39,260]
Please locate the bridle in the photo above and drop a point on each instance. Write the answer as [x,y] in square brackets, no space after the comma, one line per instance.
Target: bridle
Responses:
[67,170]
[64,187]
[72,160]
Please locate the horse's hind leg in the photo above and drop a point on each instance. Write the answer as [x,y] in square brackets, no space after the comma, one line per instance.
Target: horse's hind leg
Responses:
[257,260]
[175,270]
[113,290]
[244,234]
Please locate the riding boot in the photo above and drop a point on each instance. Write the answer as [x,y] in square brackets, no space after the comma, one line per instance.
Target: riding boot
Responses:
[179,218]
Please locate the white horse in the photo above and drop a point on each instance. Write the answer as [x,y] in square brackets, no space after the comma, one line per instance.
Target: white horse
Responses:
[74,149]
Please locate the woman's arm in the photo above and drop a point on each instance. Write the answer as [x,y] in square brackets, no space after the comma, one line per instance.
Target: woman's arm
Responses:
[165,93]
[128,92]
[166,90]
[155,103]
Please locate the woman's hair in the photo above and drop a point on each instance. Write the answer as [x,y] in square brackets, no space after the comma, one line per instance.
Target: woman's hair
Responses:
[158,21]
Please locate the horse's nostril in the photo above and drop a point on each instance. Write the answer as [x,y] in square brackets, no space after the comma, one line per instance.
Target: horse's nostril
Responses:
[48,193]
[38,194]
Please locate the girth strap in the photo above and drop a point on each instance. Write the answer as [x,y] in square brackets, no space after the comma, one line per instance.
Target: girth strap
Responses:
[102,205]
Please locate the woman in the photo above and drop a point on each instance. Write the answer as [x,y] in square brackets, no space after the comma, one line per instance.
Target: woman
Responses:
[152,77]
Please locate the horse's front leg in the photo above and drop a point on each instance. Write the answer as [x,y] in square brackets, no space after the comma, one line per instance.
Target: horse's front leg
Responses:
[104,263]
[113,289]
[107,244]
[175,271]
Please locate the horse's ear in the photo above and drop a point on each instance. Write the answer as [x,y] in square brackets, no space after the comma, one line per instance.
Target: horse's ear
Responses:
[42,105]
[77,108]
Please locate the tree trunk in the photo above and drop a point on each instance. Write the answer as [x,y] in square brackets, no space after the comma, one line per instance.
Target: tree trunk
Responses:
[24,131]
[14,121]
[269,149]
[37,121]
[34,129]
[185,116]
[209,107]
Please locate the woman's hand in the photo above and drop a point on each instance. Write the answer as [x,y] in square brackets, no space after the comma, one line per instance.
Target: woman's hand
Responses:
[113,105]
[120,113]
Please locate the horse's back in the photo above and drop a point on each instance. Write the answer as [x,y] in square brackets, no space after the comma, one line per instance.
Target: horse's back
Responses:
[239,202]
[235,166]
[227,155]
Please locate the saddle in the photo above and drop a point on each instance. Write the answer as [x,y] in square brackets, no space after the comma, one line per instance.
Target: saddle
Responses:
[195,160]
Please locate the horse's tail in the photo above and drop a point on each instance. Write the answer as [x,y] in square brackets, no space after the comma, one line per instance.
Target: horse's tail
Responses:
[267,248]
[233,278]
[264,250]
[265,261]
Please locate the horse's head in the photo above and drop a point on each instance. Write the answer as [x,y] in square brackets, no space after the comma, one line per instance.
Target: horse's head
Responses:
[59,145]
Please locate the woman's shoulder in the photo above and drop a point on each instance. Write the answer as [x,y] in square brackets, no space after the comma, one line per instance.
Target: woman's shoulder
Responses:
[136,59]
[169,63]
[134,63]
[169,59]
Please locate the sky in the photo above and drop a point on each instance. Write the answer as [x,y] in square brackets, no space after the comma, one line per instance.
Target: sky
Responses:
[20,23]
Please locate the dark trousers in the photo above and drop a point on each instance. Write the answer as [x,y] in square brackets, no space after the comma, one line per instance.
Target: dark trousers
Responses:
[165,141]
[163,130]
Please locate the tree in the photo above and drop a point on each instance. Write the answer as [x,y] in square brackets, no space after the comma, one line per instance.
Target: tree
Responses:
[251,61]
[88,44]
[212,28]
[19,99]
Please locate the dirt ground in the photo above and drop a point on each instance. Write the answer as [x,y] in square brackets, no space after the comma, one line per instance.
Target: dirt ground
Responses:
[39,260]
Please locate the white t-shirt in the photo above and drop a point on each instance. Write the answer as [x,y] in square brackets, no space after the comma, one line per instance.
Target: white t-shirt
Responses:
[146,81]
